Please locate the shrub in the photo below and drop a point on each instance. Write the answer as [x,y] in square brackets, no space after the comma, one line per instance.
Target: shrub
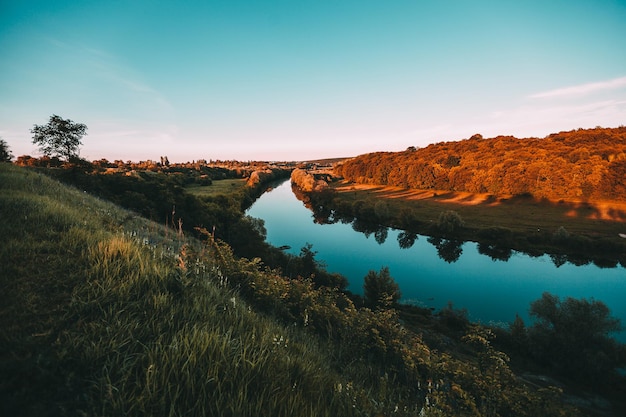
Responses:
[573,337]
[449,221]
[561,235]
[380,289]
[381,209]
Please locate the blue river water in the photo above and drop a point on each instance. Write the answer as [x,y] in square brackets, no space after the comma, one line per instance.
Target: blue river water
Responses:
[491,291]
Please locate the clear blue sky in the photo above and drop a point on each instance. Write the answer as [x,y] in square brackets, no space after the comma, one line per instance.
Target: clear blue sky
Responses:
[306,79]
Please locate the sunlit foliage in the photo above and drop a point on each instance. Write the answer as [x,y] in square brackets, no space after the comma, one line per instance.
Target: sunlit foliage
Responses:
[577,164]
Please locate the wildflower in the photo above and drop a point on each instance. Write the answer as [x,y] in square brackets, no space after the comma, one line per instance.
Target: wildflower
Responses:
[280,341]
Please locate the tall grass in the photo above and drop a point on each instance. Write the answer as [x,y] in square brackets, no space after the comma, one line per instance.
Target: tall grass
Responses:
[179,344]
[104,313]
[100,317]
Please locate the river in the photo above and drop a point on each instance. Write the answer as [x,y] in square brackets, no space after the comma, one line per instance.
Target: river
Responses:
[492,291]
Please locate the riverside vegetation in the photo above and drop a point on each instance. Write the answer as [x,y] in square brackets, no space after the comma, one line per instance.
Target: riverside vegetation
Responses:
[566,193]
[579,164]
[105,312]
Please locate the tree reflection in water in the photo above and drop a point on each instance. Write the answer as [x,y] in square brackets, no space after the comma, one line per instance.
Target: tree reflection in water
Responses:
[406,239]
[494,251]
[497,242]
[449,250]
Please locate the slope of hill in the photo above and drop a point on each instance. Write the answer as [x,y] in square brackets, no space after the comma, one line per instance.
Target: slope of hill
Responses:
[102,314]
[580,164]
[105,313]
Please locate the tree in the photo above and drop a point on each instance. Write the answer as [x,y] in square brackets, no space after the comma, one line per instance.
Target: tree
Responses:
[574,336]
[519,333]
[5,152]
[308,264]
[60,137]
[380,290]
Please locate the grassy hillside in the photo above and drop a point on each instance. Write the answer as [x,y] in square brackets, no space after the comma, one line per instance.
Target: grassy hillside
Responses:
[105,313]
[98,317]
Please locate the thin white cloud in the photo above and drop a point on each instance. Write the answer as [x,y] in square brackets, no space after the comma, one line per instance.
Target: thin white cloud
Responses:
[103,73]
[582,89]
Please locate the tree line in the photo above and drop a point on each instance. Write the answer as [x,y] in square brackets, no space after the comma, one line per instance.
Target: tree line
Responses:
[583,163]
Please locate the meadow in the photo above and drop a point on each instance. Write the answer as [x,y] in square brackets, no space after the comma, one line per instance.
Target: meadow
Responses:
[581,231]
[591,218]
[104,312]
[218,187]
[99,317]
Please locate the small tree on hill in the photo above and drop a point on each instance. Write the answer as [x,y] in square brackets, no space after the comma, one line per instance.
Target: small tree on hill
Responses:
[5,152]
[59,137]
[380,290]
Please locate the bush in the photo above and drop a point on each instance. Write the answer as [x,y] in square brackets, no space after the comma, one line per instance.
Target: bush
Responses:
[380,290]
[449,221]
[381,209]
[496,233]
[561,235]
[573,337]
[453,319]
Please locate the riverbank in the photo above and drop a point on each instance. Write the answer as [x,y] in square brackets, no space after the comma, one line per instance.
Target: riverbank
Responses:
[579,229]
[473,282]
[592,218]
[135,318]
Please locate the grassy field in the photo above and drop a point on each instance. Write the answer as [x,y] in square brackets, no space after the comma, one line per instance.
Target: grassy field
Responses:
[522,214]
[101,315]
[106,313]
[219,187]
[580,229]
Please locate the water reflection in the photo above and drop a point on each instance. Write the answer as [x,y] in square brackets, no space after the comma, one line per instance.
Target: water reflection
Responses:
[448,249]
[493,283]
[494,251]
[381,235]
[406,239]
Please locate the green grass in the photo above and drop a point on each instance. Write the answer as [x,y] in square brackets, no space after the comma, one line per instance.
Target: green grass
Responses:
[98,318]
[519,214]
[105,313]
[219,187]
[530,224]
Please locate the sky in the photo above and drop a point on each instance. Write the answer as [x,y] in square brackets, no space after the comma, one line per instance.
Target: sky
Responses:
[306,79]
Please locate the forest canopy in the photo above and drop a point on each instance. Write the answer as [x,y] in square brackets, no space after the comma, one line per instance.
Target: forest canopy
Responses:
[579,164]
